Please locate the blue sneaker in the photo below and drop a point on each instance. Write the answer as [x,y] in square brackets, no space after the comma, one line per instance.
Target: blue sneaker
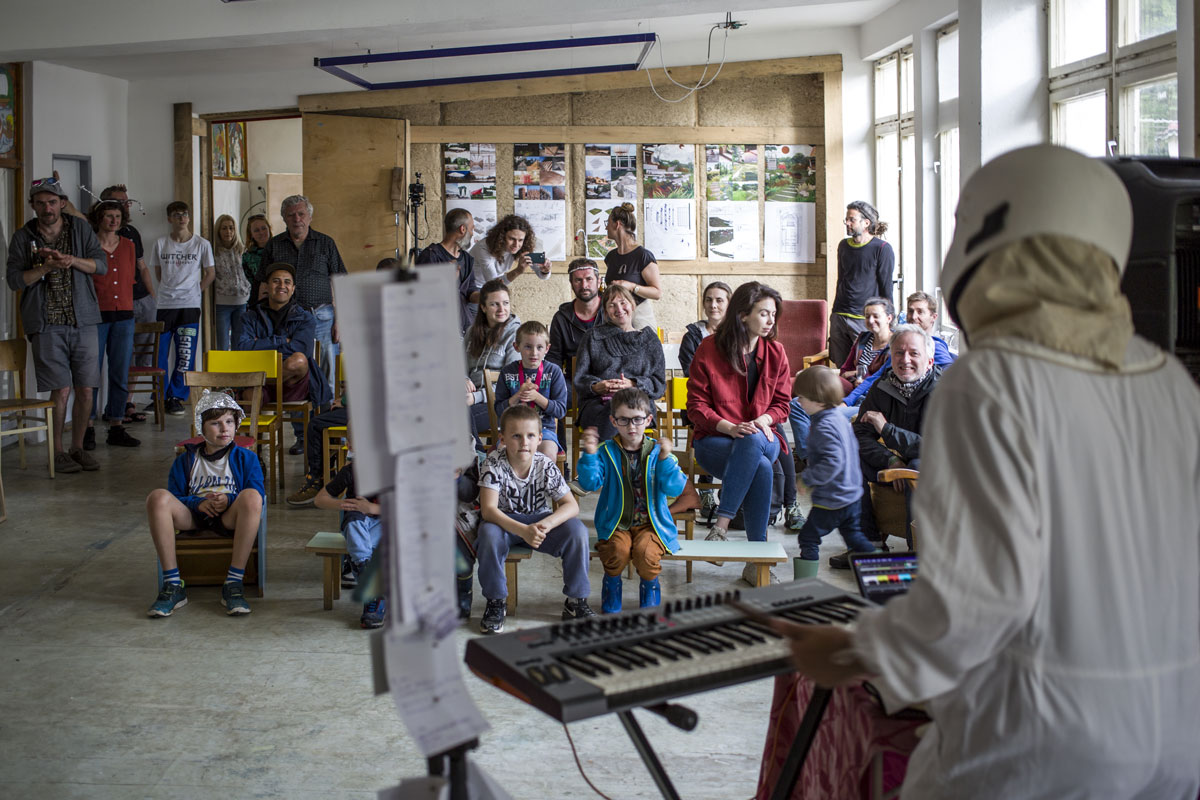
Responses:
[170,597]
[233,597]
[649,594]
[610,594]
[374,612]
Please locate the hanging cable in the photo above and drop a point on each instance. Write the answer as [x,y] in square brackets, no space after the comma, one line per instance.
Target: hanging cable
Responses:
[701,83]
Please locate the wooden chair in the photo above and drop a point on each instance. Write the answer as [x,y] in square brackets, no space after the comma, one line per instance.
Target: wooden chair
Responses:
[890,506]
[250,383]
[334,442]
[12,359]
[270,422]
[803,330]
[149,380]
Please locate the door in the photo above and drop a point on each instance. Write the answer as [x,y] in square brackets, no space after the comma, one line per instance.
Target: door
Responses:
[348,163]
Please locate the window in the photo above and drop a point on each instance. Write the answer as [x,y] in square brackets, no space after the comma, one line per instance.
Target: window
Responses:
[947,164]
[1113,81]
[895,160]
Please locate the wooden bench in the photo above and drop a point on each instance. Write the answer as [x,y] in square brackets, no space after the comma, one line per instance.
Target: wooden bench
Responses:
[763,555]
[331,546]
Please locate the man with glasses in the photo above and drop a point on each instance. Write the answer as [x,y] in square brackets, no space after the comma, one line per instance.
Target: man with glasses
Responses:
[50,261]
[865,265]
[183,263]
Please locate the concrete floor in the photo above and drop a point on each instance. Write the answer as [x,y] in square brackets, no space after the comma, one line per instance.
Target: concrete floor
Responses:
[98,701]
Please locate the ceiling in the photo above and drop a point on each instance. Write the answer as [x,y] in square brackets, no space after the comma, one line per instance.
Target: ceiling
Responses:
[145,39]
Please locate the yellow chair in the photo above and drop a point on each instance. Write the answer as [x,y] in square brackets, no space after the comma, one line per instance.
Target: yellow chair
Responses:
[672,418]
[12,359]
[331,448]
[270,422]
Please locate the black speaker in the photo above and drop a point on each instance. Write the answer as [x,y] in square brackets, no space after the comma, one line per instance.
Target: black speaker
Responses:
[1162,279]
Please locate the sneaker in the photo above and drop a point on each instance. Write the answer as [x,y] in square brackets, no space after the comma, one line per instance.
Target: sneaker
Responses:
[349,573]
[119,437]
[85,460]
[64,463]
[493,617]
[89,438]
[297,448]
[840,561]
[170,597]
[174,406]
[306,494]
[708,504]
[793,517]
[577,608]
[233,598]
[576,489]
[715,534]
[373,614]
[750,575]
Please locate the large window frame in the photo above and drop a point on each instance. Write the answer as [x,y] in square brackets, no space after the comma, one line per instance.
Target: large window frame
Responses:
[895,153]
[1116,73]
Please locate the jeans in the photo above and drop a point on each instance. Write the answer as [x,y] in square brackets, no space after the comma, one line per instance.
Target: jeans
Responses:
[362,537]
[116,339]
[745,468]
[823,520]
[569,541]
[229,318]
[324,340]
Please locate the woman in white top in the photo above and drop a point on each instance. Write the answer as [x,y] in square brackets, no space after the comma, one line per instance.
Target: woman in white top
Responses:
[506,252]
[231,286]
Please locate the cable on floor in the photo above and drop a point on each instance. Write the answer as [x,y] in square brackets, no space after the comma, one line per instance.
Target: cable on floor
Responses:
[579,765]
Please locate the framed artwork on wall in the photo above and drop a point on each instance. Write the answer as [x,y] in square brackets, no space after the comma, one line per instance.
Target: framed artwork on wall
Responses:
[10,122]
[219,150]
[235,146]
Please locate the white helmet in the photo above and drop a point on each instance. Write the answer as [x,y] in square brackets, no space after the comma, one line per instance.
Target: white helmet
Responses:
[1042,189]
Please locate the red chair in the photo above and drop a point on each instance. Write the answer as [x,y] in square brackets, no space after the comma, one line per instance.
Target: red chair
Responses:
[803,330]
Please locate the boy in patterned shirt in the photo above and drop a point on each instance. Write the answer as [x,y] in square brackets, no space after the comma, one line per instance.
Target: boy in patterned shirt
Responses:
[213,485]
[524,499]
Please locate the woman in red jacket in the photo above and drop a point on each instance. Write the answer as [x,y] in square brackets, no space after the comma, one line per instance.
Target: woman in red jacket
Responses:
[739,387]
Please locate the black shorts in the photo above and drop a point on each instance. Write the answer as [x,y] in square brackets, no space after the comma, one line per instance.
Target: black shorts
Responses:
[173,318]
[201,522]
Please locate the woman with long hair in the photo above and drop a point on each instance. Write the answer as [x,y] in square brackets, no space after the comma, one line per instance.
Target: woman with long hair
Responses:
[738,391]
[230,285]
[613,356]
[506,252]
[114,291]
[632,266]
[258,233]
[489,344]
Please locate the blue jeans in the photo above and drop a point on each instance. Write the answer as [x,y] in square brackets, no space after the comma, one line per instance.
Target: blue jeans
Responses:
[362,537]
[569,541]
[229,318]
[116,339]
[744,466]
[324,340]
[823,520]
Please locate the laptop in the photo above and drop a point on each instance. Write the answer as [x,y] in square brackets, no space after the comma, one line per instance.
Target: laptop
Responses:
[882,576]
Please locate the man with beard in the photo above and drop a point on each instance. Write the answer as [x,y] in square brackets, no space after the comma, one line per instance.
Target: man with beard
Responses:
[50,261]
[575,317]
[458,231]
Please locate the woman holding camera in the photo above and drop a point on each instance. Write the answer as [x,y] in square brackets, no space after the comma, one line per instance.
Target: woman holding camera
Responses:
[507,251]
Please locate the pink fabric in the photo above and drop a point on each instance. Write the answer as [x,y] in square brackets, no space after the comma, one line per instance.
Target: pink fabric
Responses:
[852,731]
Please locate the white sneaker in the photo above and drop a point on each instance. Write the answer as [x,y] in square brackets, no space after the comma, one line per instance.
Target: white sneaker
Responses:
[576,489]
[750,575]
[715,534]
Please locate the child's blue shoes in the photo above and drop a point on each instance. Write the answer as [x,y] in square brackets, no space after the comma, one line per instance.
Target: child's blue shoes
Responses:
[649,594]
[610,594]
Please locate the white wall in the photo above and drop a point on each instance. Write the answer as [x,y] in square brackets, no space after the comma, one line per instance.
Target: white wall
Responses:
[78,113]
[273,145]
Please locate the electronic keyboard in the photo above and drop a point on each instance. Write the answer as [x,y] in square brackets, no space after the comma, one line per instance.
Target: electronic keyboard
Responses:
[583,668]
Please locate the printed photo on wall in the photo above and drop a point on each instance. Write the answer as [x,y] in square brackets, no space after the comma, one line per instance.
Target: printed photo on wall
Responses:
[668,171]
[9,124]
[236,141]
[220,151]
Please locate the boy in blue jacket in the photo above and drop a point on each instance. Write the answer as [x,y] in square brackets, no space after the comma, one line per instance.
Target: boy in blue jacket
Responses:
[533,380]
[636,476]
[834,473]
[213,485]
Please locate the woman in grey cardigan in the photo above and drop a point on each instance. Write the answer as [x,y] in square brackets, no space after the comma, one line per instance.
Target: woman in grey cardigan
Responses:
[489,344]
[614,356]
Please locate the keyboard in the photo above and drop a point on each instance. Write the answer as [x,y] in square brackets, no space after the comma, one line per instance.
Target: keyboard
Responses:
[585,668]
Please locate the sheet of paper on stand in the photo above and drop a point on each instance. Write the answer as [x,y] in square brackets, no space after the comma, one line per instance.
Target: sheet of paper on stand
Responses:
[429,693]
[360,318]
[423,361]
[421,541]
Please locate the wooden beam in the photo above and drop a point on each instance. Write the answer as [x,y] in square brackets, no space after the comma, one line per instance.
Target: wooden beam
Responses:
[252,116]
[182,187]
[835,205]
[634,134]
[199,127]
[632,79]
[702,267]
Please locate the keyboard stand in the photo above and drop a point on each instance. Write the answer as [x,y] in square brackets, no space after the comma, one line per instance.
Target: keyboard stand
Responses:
[655,767]
[789,773]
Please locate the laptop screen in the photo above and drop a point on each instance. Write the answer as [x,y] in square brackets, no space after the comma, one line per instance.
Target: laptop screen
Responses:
[882,576]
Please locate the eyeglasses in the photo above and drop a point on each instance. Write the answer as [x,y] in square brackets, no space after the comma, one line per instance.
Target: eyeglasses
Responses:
[179,215]
[626,422]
